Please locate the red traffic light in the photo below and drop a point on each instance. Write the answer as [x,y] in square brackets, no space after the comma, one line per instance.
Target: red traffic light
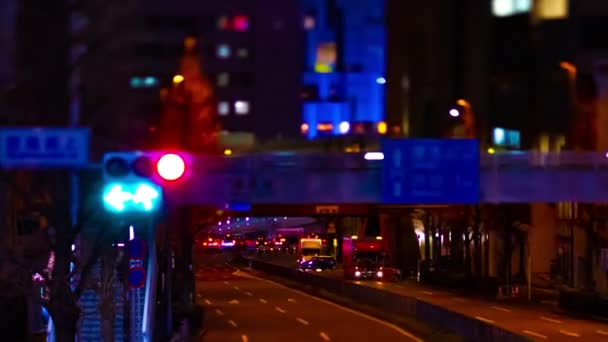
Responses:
[171,167]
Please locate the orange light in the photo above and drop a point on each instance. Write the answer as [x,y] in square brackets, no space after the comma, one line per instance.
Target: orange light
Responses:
[325,127]
[178,79]
[463,103]
[204,244]
[304,128]
[171,167]
[382,128]
[227,152]
[569,67]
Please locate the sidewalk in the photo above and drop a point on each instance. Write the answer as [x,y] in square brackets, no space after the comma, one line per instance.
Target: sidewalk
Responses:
[537,321]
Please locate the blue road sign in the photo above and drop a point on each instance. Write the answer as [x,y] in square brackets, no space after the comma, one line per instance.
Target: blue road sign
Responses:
[137,249]
[431,171]
[137,277]
[44,147]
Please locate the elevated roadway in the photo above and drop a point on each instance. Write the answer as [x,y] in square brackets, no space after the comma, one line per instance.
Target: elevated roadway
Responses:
[289,179]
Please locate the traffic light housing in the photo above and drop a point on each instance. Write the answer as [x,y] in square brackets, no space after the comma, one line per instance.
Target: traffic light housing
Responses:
[133,181]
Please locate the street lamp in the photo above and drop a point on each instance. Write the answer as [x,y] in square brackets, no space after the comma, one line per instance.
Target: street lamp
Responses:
[177,79]
[454,113]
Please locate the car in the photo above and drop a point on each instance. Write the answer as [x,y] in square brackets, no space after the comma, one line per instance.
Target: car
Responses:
[318,264]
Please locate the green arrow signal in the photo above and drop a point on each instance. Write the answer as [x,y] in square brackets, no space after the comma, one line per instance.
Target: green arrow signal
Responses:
[131,197]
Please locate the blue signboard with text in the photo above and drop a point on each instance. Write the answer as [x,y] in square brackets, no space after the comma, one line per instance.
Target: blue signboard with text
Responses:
[44,147]
[431,171]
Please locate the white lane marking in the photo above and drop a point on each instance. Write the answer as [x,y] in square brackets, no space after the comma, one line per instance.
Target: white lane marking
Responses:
[303,321]
[207,301]
[280,309]
[264,301]
[500,309]
[291,300]
[356,313]
[569,333]
[483,319]
[249,293]
[324,336]
[237,288]
[219,312]
[602,332]
[550,319]
[234,301]
[532,333]
[227,283]
[244,338]
[428,293]
[233,323]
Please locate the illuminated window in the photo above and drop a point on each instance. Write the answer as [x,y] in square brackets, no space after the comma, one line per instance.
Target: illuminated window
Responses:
[144,82]
[505,8]
[222,23]
[551,9]
[223,51]
[326,57]
[241,107]
[240,23]
[223,79]
[242,53]
[309,22]
[223,108]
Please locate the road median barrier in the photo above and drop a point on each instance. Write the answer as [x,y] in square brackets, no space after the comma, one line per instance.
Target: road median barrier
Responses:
[397,305]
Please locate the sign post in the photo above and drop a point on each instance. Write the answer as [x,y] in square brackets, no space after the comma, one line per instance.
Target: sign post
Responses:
[44,148]
[431,171]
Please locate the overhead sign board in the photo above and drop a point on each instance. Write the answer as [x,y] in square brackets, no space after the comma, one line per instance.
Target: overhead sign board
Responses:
[44,147]
[431,171]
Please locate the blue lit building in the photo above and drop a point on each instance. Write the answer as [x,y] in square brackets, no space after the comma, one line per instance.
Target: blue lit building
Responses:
[343,81]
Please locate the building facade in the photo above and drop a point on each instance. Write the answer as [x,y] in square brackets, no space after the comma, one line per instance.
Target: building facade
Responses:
[249,51]
[344,77]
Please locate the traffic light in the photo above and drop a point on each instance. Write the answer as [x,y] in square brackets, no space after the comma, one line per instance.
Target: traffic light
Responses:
[133,180]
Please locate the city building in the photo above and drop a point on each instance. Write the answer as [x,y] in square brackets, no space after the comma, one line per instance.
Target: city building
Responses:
[533,76]
[344,77]
[500,60]
[250,52]
[7,42]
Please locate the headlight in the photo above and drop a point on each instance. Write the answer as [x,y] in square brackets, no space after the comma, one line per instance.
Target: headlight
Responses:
[357,274]
[379,274]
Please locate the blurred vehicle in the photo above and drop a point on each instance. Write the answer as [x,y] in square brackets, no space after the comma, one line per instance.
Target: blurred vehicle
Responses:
[318,264]
[211,244]
[229,242]
[309,248]
[364,258]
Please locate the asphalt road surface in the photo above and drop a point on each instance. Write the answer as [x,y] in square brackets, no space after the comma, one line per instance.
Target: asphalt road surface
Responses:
[538,322]
[241,307]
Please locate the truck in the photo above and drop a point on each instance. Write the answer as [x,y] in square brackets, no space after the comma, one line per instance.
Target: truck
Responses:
[308,248]
[366,258]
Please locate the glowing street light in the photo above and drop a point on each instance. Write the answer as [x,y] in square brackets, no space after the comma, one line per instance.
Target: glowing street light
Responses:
[177,79]
[454,113]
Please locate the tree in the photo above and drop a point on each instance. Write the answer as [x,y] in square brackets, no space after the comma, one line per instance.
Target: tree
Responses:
[45,39]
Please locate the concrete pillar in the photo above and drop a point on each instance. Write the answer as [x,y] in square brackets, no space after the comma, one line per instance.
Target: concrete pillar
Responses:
[542,237]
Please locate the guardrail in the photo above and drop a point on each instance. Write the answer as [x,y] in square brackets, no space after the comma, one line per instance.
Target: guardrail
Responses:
[467,327]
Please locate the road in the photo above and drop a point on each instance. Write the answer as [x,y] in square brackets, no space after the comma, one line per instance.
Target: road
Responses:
[536,322]
[242,307]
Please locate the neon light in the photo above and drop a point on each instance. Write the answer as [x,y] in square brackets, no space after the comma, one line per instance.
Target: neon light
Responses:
[131,233]
[374,156]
